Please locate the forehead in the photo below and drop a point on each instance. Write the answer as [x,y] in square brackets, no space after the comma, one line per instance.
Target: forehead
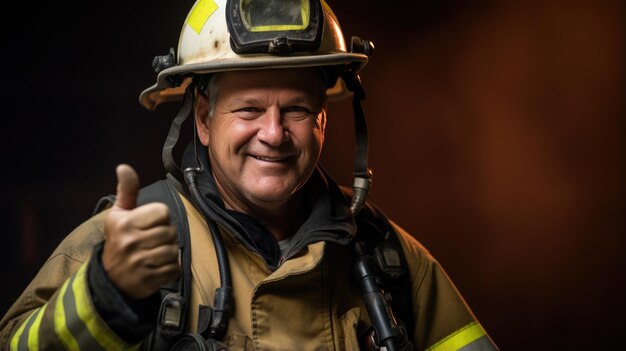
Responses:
[304,80]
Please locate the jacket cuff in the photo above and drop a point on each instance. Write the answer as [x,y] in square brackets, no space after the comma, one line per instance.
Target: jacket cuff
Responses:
[132,320]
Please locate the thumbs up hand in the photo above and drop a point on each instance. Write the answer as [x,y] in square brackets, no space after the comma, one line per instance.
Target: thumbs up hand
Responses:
[140,253]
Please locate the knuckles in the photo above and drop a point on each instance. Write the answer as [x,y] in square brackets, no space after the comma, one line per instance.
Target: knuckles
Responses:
[159,210]
[145,278]
[155,212]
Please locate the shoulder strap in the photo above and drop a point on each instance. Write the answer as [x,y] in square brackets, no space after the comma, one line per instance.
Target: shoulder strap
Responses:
[165,192]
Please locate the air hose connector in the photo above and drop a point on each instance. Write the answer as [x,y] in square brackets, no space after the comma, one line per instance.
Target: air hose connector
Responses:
[361,187]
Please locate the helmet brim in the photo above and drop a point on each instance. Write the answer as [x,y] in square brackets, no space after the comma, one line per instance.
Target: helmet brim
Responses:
[163,91]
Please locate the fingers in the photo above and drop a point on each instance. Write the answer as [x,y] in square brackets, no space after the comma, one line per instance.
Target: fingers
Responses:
[148,280]
[157,236]
[127,187]
[159,256]
[139,263]
[153,269]
[157,277]
[148,216]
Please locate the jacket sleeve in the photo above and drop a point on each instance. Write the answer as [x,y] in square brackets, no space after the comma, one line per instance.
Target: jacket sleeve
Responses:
[56,311]
[443,320]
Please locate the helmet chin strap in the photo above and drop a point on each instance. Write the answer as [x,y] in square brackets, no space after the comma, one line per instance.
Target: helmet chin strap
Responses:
[172,136]
[362,174]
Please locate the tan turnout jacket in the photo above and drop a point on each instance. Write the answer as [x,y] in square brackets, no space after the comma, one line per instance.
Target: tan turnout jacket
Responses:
[308,303]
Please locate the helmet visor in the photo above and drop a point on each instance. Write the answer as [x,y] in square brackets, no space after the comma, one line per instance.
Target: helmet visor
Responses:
[274,16]
[274,26]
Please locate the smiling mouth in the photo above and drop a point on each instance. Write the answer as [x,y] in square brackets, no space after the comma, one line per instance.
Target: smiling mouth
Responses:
[271,159]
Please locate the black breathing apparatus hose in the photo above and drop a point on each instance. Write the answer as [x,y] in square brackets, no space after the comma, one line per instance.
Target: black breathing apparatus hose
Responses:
[222,303]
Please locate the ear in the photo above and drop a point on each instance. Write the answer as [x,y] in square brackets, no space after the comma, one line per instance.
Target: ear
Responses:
[201,110]
[322,120]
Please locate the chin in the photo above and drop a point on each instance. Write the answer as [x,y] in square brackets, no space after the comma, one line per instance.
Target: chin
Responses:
[273,192]
[272,195]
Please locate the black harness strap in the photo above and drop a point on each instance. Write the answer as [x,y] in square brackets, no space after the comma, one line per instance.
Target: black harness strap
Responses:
[164,191]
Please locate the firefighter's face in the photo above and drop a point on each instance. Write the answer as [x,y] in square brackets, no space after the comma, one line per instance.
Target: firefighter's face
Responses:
[265,132]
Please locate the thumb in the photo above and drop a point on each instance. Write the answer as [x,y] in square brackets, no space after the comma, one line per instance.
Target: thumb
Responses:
[127,187]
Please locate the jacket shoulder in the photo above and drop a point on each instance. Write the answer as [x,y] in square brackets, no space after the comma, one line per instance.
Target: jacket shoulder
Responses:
[75,249]
[79,244]
[375,220]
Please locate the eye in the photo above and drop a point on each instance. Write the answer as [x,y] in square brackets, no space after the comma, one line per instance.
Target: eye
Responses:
[248,112]
[296,112]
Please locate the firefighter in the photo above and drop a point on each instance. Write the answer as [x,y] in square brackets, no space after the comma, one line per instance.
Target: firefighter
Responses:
[248,243]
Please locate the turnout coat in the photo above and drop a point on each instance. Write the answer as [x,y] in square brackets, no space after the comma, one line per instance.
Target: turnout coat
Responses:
[299,297]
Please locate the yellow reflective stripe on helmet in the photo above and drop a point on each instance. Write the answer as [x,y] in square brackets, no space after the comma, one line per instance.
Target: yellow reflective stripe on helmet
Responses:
[200,13]
[60,326]
[459,338]
[84,308]
[17,336]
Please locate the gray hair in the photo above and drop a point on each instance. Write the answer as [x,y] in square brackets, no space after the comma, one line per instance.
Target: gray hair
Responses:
[212,89]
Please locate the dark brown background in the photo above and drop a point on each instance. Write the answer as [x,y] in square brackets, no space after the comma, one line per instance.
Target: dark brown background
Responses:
[497,139]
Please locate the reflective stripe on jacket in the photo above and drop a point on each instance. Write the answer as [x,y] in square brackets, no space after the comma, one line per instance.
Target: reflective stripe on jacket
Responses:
[56,312]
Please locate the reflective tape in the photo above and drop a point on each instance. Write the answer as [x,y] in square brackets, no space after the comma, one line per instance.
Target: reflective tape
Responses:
[95,326]
[77,323]
[60,325]
[464,339]
[19,341]
[200,13]
[33,333]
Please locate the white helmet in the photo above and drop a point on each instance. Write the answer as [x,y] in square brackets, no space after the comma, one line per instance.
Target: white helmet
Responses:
[227,35]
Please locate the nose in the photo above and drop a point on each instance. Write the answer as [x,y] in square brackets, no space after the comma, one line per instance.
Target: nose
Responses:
[272,129]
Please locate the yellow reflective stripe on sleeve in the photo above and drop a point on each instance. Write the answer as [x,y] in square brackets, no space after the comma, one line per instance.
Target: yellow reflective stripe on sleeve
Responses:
[459,338]
[33,337]
[60,326]
[16,337]
[97,328]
